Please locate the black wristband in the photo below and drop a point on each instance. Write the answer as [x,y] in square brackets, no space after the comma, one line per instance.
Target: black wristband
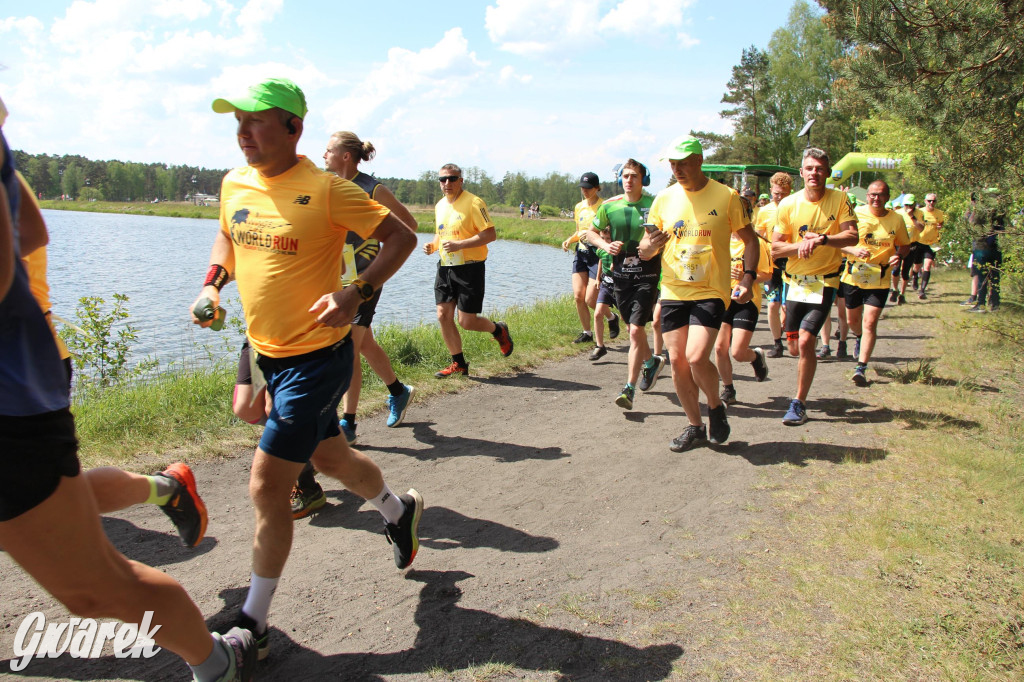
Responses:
[824,240]
[216,277]
[752,273]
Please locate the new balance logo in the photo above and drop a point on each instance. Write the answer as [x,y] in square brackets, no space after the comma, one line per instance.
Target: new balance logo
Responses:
[713,211]
[302,199]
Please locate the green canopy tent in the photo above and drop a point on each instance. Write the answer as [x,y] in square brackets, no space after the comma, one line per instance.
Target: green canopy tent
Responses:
[740,172]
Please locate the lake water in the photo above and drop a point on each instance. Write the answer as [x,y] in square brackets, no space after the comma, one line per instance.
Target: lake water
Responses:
[159,263]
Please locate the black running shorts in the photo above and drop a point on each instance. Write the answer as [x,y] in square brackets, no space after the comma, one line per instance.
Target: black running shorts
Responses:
[35,452]
[809,316]
[707,312]
[635,299]
[741,315]
[463,284]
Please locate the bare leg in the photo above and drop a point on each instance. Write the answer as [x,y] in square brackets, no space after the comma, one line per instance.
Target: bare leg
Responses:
[580,281]
[682,376]
[806,366]
[61,544]
[722,358]
[639,351]
[449,332]
[350,403]
[378,360]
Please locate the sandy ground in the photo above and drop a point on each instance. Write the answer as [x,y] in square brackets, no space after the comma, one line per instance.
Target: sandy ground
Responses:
[561,536]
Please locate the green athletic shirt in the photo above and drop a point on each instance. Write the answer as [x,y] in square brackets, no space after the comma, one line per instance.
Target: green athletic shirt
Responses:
[625,221]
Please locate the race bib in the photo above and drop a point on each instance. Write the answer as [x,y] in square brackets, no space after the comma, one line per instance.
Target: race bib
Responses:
[694,264]
[453,258]
[866,275]
[806,289]
[348,264]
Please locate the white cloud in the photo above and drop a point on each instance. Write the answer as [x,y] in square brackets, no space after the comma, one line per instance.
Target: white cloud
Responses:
[539,27]
[186,9]
[508,73]
[258,12]
[433,74]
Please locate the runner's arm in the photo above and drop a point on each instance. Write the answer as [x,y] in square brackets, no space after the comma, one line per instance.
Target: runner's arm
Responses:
[651,244]
[384,196]
[751,258]
[481,238]
[396,243]
[222,254]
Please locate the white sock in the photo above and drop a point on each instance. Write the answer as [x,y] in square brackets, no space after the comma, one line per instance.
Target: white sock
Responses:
[215,665]
[388,504]
[257,601]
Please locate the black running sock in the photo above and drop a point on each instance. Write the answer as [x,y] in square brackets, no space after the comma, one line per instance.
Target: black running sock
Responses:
[728,386]
[925,276]
[460,360]
[350,418]
[396,388]
[497,331]
[307,478]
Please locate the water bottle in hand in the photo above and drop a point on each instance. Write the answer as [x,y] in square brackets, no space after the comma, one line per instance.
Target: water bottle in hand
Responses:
[209,316]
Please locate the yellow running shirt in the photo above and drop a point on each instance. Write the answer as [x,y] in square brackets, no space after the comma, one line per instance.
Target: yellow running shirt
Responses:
[880,236]
[915,234]
[932,219]
[764,223]
[287,234]
[764,265]
[695,260]
[465,218]
[584,214]
[797,215]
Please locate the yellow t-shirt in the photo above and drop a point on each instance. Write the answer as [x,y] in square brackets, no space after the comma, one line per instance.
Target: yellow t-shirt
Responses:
[764,265]
[695,261]
[797,215]
[915,234]
[288,233]
[764,222]
[465,218]
[880,236]
[584,214]
[932,219]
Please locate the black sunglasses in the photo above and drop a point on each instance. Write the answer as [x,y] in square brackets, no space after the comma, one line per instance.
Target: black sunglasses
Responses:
[450,178]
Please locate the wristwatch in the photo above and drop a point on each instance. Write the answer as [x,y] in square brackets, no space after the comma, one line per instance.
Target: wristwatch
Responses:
[824,240]
[365,289]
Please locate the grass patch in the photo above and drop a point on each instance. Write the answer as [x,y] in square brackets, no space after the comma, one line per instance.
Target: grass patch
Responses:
[580,605]
[909,567]
[189,411]
[167,209]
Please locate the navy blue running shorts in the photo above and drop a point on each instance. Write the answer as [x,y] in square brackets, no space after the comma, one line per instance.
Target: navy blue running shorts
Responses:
[306,390]
[35,452]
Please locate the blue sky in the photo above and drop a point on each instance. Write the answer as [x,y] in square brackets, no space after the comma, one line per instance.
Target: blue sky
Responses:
[524,85]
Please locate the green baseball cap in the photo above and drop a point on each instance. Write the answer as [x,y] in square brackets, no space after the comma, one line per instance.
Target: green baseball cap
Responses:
[273,92]
[909,199]
[852,197]
[681,148]
[763,196]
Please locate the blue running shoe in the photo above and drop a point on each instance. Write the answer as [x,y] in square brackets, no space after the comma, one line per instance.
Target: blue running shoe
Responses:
[349,429]
[398,404]
[797,414]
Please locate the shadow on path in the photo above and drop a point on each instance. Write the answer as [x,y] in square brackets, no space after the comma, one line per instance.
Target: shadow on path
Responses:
[799,454]
[150,546]
[461,446]
[440,527]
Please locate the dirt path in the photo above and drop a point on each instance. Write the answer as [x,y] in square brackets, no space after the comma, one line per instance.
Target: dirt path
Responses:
[561,536]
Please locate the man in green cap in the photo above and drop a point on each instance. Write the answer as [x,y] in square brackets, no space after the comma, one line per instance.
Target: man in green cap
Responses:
[692,225]
[283,225]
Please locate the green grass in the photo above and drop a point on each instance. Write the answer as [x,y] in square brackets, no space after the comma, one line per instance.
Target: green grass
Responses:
[549,231]
[168,209]
[909,567]
[189,412]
